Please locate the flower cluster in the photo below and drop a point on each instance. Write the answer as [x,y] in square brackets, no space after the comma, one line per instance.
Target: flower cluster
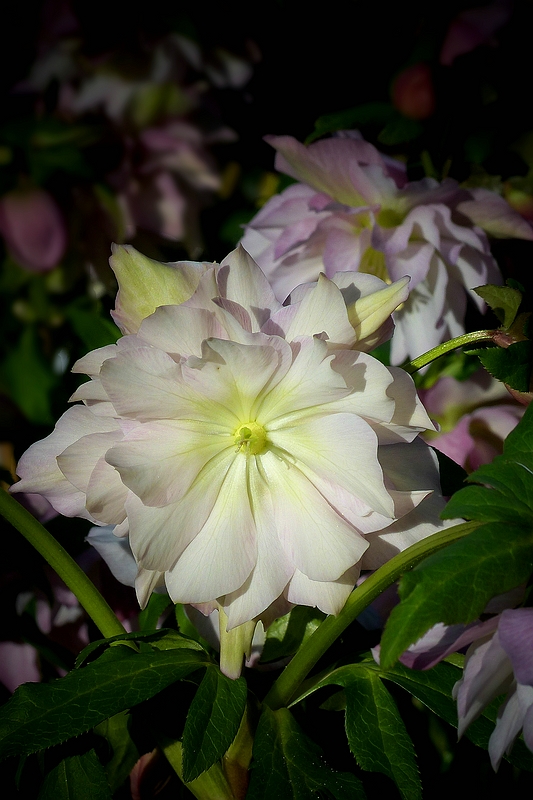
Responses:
[255,454]
[353,209]
[499,660]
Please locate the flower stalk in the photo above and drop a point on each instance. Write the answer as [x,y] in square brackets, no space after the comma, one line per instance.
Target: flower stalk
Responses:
[446,347]
[64,565]
[284,691]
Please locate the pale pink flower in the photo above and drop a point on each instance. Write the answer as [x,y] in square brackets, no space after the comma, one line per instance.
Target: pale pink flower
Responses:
[499,660]
[473,416]
[254,453]
[353,210]
[33,228]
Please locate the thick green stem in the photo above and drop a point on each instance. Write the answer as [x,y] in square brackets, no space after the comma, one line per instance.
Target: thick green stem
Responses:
[63,564]
[286,686]
[446,347]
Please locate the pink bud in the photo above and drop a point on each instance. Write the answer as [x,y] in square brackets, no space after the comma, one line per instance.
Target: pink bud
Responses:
[33,228]
[413,93]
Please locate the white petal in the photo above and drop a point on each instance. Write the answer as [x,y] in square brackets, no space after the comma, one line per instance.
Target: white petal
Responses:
[241,280]
[116,553]
[180,329]
[160,460]
[328,596]
[272,570]
[342,448]
[323,309]
[222,555]
[319,542]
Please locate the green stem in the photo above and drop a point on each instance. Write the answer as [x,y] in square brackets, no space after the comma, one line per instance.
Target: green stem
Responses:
[286,686]
[63,564]
[446,347]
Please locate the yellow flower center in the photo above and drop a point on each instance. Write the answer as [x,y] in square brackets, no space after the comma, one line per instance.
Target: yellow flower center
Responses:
[251,439]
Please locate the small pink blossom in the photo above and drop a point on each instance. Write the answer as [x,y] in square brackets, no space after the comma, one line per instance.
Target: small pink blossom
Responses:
[413,93]
[33,228]
[353,210]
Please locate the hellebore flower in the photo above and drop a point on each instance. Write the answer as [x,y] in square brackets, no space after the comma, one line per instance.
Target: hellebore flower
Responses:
[499,660]
[253,453]
[353,210]
[473,417]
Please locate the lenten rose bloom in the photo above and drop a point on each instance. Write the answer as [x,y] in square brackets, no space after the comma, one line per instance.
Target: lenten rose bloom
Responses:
[499,660]
[353,209]
[254,454]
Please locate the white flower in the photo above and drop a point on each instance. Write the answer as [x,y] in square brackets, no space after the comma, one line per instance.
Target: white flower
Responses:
[252,452]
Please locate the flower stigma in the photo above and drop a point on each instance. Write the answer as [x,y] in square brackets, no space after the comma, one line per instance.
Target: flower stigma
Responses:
[252,437]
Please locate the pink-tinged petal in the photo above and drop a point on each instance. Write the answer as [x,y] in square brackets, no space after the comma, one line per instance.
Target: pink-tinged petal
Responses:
[159,461]
[222,555]
[34,229]
[493,213]
[315,538]
[487,674]
[326,447]
[330,166]
[328,596]
[241,280]
[158,536]
[18,664]
[78,460]
[116,552]
[323,309]
[345,243]
[145,284]
[309,383]
[528,728]
[180,330]
[91,363]
[516,637]
[422,521]
[272,570]
[157,204]
[38,467]
[441,640]
[511,717]
[473,27]
[106,494]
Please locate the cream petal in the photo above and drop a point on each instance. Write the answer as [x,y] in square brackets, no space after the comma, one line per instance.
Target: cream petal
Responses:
[241,280]
[38,466]
[180,329]
[158,536]
[328,596]
[342,448]
[323,309]
[222,555]
[146,582]
[316,539]
[272,570]
[106,494]
[159,461]
[369,383]
[77,461]
[309,383]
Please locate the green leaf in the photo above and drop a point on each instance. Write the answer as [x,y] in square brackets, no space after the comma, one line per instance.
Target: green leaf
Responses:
[455,584]
[287,764]
[160,639]
[116,731]
[374,728]
[43,715]
[511,365]
[29,378]
[72,777]
[504,301]
[400,129]
[93,329]
[286,634]
[377,113]
[212,722]
[157,605]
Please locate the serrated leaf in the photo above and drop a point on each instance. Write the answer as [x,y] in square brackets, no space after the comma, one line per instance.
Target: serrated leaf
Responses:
[287,764]
[160,639]
[455,584]
[376,113]
[511,365]
[43,715]
[116,731]
[376,733]
[504,301]
[286,634]
[212,722]
[70,780]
